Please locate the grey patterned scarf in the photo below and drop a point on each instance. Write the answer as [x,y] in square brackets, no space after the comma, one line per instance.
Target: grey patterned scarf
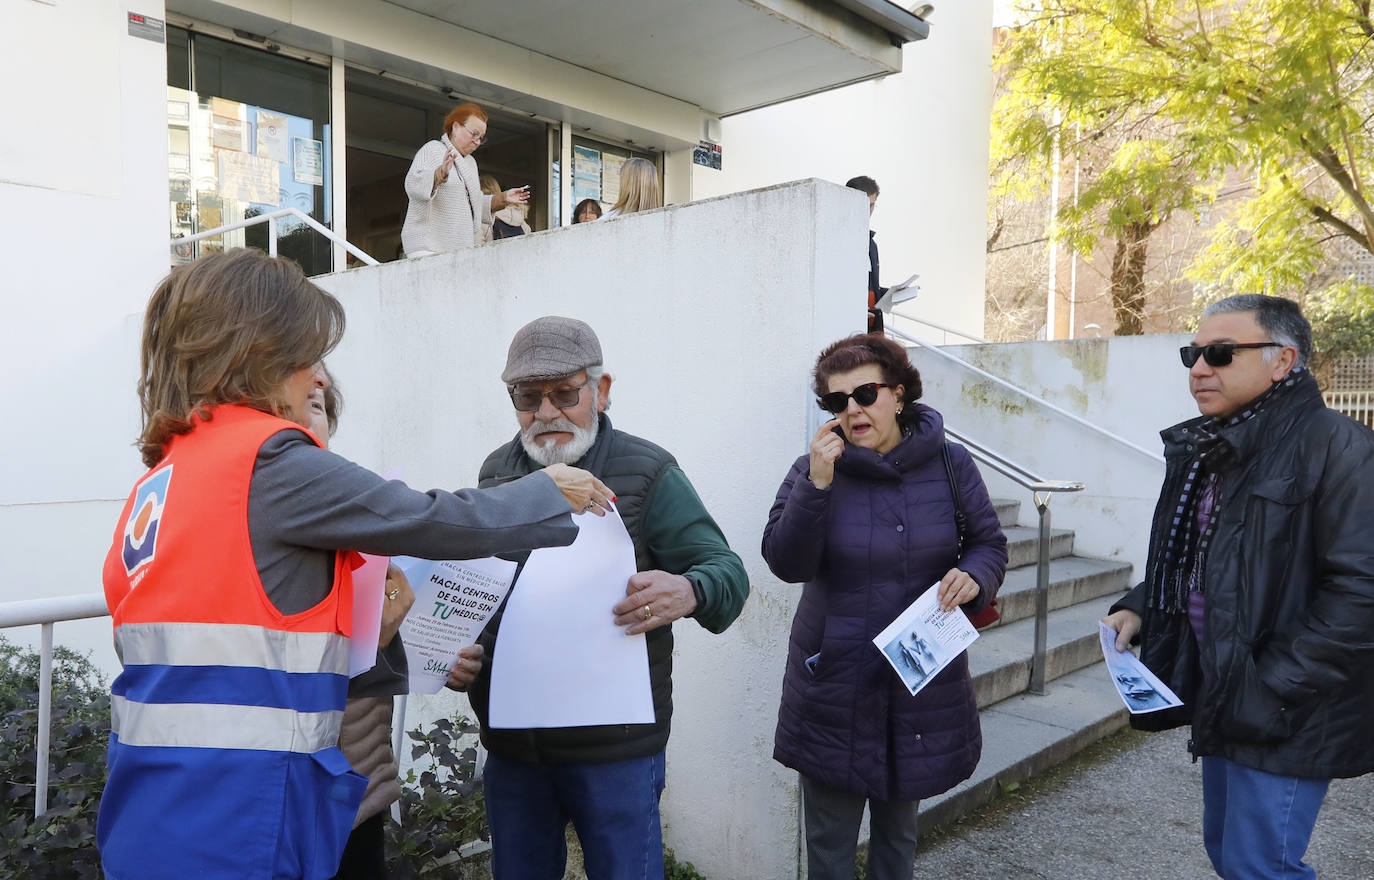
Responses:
[1181,564]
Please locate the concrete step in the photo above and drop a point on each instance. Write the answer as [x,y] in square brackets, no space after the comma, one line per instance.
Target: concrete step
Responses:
[999,661]
[1023,544]
[1073,579]
[1008,509]
[1026,735]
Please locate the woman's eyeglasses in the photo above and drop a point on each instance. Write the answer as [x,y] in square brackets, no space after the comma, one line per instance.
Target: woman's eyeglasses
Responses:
[530,399]
[477,138]
[1218,354]
[837,401]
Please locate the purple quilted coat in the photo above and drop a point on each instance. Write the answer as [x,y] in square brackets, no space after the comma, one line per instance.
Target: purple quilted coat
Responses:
[865,548]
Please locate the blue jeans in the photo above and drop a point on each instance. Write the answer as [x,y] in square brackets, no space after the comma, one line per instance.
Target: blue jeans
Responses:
[613,806]
[1256,825]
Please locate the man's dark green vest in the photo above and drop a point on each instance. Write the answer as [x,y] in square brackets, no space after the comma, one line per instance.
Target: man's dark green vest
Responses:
[630,466]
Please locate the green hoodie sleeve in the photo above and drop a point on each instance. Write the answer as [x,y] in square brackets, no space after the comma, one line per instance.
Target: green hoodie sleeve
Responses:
[684,539]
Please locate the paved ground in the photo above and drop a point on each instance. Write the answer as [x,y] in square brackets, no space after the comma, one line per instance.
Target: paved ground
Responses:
[1129,808]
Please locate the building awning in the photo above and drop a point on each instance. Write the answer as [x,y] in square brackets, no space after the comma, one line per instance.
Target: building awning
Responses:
[724,56]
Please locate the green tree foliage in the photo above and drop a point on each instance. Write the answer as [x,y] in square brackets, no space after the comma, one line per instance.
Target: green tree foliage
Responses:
[60,845]
[1159,100]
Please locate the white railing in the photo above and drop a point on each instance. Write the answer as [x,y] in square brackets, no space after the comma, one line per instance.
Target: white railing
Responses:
[44,613]
[271,218]
[946,331]
[1359,405]
[1073,417]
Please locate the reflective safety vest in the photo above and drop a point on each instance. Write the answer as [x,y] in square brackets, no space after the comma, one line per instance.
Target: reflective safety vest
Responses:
[224,759]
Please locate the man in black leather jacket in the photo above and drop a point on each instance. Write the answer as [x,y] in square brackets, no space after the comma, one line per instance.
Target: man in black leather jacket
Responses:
[1258,601]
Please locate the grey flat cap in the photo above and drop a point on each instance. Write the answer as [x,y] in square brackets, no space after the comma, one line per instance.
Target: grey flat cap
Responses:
[549,348]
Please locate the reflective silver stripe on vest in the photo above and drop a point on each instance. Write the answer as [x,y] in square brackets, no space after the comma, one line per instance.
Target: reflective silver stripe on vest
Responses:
[226,644]
[215,726]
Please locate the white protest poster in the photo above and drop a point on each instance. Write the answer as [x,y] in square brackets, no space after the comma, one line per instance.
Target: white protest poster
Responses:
[272,136]
[368,581]
[248,178]
[454,599]
[560,660]
[1140,690]
[924,639]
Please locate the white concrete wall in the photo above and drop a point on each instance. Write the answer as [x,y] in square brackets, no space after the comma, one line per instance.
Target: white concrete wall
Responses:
[922,134]
[83,235]
[710,344]
[1132,386]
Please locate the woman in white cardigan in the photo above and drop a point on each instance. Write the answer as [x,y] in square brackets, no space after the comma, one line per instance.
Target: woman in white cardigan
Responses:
[447,205]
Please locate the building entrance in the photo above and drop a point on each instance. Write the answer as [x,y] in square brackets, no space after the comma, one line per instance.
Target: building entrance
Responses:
[387,121]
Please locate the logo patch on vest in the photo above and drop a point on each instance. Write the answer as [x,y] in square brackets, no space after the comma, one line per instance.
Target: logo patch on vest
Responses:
[140,532]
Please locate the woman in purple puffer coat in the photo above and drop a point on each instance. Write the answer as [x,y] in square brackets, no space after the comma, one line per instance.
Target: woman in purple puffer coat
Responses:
[866,521]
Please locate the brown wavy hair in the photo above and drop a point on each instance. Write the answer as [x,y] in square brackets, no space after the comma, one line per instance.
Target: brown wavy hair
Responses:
[854,351]
[228,328]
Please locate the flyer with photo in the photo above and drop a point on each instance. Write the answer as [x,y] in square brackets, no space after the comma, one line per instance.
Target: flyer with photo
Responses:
[1140,690]
[924,639]
[454,599]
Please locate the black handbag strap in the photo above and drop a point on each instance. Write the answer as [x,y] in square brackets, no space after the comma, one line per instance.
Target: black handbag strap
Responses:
[960,520]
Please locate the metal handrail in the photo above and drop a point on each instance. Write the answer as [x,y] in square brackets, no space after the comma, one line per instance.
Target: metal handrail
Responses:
[44,613]
[271,218]
[941,327]
[1073,417]
[1042,491]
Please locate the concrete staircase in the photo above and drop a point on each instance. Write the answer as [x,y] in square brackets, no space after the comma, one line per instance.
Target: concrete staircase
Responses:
[1024,734]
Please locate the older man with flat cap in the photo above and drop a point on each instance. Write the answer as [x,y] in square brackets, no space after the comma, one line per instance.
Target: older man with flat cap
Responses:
[605,779]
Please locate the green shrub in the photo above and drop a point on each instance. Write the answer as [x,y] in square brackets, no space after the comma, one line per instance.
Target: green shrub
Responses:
[60,844]
[442,808]
[675,870]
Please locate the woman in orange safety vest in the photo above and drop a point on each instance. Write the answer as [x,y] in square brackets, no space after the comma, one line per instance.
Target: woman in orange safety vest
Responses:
[229,581]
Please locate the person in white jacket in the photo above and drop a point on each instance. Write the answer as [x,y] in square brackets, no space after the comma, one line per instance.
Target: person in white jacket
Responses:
[447,205]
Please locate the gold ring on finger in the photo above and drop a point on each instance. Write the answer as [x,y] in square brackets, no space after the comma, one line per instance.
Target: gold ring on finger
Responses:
[648,611]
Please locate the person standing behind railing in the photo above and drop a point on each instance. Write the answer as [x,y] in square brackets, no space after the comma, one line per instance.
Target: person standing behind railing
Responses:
[639,189]
[586,211]
[447,206]
[229,582]
[867,522]
[869,187]
[506,223]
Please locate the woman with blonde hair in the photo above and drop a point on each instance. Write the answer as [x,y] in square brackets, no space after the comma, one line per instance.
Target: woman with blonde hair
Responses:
[229,580]
[505,223]
[639,189]
[447,205]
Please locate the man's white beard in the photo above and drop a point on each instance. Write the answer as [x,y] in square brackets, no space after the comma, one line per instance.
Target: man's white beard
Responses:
[546,452]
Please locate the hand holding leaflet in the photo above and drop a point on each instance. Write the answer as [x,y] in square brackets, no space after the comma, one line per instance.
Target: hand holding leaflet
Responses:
[1140,690]
[898,293]
[454,599]
[923,639]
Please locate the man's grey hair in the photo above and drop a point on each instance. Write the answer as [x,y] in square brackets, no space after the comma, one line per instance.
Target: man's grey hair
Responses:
[1281,318]
[594,374]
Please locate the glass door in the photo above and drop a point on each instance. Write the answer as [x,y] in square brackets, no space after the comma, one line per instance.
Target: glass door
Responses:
[247,132]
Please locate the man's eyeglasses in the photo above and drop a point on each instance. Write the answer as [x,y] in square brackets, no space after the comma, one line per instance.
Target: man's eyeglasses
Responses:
[837,401]
[477,138]
[530,399]
[1218,354]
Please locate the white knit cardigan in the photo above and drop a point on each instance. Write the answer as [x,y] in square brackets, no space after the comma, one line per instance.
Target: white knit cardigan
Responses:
[451,218]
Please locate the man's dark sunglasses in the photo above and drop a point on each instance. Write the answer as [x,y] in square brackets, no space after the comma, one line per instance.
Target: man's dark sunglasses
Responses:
[530,399]
[1218,354]
[837,401]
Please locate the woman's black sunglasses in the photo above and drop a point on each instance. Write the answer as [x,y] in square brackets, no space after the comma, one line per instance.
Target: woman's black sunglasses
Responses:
[1218,354]
[837,401]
